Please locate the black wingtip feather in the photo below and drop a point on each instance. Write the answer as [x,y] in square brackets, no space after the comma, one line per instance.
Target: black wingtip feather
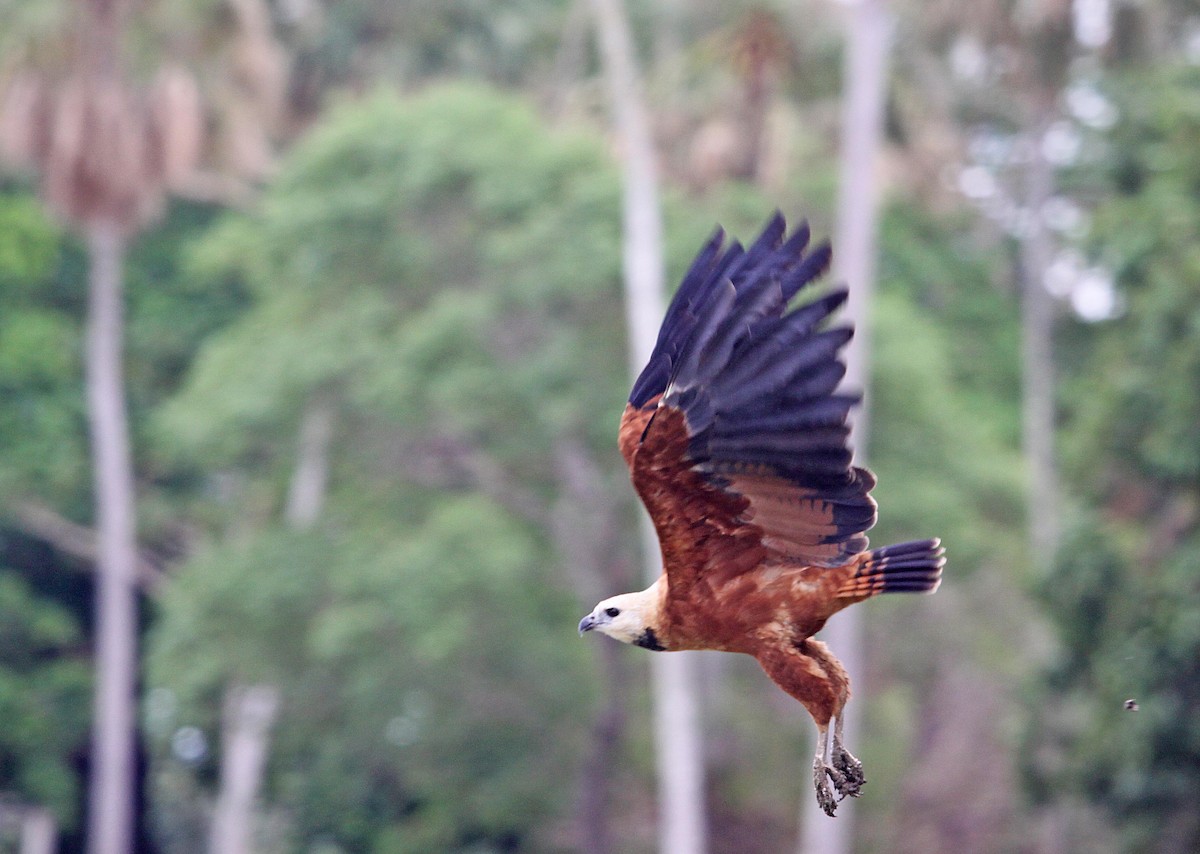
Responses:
[770,255]
[756,380]
[797,243]
[808,270]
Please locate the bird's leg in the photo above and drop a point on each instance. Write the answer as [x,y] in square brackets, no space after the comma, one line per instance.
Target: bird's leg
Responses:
[849,778]
[822,770]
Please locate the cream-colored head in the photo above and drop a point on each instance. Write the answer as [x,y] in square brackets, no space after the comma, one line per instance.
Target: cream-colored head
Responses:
[630,618]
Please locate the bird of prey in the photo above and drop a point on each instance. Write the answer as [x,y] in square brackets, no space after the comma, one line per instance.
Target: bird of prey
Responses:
[736,439]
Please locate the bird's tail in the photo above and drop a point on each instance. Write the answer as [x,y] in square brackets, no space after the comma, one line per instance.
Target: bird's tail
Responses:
[913,567]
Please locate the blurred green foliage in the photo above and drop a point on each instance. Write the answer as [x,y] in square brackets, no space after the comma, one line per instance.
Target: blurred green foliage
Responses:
[42,445]
[945,392]
[1123,594]
[420,282]
[45,683]
[428,238]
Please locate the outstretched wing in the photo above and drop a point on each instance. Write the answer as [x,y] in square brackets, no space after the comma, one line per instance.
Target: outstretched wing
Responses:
[734,434]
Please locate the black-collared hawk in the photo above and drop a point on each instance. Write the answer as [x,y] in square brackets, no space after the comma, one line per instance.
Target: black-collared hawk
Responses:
[736,439]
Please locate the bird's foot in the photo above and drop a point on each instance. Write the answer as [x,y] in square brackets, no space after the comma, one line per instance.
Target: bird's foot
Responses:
[825,799]
[847,773]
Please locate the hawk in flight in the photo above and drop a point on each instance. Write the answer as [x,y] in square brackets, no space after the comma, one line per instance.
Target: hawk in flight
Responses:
[736,439]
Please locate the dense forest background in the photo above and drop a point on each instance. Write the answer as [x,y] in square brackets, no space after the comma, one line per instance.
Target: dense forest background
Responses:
[374,359]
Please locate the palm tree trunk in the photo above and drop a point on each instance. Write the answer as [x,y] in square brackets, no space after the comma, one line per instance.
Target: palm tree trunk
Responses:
[676,717]
[870,31]
[111,814]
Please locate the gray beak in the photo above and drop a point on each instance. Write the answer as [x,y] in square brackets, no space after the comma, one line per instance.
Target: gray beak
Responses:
[587,624]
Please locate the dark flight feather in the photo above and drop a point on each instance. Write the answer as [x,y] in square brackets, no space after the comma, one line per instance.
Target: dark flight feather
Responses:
[756,385]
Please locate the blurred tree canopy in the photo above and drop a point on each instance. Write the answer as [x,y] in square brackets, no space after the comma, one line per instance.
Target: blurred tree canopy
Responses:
[431,300]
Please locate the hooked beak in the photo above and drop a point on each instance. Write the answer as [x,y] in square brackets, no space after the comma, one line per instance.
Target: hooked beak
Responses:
[587,624]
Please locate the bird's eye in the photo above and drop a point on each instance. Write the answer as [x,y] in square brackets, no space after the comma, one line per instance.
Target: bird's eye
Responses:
[612,612]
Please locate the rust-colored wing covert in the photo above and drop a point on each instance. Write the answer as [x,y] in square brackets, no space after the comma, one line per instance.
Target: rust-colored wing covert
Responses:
[734,435]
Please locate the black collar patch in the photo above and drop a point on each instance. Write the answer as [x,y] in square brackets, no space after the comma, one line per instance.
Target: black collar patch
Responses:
[649,640]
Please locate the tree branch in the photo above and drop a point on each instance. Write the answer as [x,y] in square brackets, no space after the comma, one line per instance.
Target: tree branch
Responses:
[76,540]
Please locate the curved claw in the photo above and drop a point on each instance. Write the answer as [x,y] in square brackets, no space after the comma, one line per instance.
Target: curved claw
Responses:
[825,799]
[848,777]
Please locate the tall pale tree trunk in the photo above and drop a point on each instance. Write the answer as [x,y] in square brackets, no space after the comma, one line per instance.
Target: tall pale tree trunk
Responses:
[111,814]
[869,39]
[39,831]
[1037,351]
[676,716]
[250,711]
[248,714]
